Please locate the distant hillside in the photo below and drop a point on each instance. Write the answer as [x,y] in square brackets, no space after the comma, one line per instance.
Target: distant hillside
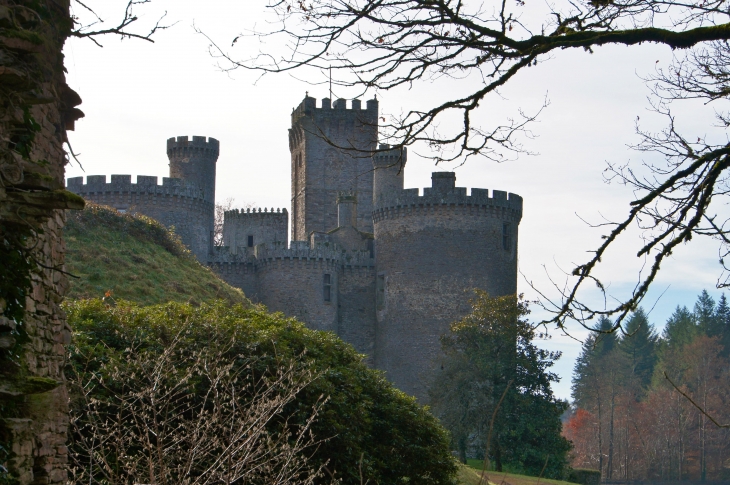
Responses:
[137,259]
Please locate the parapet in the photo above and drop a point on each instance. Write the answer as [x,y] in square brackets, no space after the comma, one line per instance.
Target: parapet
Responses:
[444,192]
[309,106]
[123,184]
[198,143]
[386,157]
[256,212]
[303,251]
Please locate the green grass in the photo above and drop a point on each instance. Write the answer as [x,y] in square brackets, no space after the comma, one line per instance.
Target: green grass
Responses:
[136,259]
[470,474]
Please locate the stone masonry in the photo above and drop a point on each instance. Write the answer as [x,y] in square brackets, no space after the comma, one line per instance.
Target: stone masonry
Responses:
[384,267]
[37,108]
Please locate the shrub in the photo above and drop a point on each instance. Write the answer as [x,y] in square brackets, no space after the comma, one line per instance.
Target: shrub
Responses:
[584,476]
[367,429]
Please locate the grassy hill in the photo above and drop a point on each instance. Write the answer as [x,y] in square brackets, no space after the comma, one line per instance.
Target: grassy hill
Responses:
[137,259]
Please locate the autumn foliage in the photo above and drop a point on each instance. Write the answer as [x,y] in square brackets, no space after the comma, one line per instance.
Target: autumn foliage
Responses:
[631,422]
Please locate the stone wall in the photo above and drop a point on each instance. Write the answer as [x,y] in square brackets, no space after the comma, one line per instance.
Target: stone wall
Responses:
[330,148]
[295,286]
[356,309]
[429,255]
[241,227]
[36,109]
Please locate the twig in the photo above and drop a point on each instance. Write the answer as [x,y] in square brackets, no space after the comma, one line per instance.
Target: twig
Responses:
[695,404]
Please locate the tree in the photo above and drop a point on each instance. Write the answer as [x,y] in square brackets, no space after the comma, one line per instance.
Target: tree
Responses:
[704,312]
[639,345]
[495,389]
[722,325]
[680,329]
[389,44]
[599,378]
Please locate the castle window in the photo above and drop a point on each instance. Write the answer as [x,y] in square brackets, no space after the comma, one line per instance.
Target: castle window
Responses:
[250,241]
[506,236]
[380,291]
[327,287]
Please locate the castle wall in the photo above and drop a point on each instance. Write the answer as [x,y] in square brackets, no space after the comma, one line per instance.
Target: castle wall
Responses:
[356,312]
[260,227]
[330,148]
[240,275]
[431,250]
[292,281]
[174,203]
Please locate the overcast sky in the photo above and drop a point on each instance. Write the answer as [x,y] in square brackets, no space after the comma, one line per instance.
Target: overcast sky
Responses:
[137,94]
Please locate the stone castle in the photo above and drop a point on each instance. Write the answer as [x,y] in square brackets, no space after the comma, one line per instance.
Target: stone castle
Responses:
[385,268]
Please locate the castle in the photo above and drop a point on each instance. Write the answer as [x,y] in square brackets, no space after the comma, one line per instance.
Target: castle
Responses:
[385,268]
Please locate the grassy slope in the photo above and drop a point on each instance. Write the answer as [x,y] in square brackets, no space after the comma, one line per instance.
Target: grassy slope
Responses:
[469,475]
[137,259]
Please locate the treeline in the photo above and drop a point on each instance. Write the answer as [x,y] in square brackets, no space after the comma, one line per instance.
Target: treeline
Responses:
[628,419]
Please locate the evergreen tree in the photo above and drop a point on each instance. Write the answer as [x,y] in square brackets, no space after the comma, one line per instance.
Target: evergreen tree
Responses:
[588,369]
[722,325]
[704,313]
[681,328]
[491,357]
[639,344]
[606,337]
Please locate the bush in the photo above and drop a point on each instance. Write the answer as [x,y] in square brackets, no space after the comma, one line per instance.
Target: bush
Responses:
[367,429]
[584,476]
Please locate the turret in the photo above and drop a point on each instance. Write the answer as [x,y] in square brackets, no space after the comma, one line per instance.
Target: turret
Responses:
[388,165]
[194,161]
[346,210]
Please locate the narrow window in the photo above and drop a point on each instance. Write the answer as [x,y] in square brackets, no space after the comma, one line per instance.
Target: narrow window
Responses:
[506,236]
[327,287]
[250,241]
[380,291]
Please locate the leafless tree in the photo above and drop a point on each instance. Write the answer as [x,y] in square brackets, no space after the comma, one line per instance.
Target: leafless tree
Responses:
[95,26]
[189,417]
[387,44]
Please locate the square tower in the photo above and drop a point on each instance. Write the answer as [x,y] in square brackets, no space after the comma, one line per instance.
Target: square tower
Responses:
[331,152]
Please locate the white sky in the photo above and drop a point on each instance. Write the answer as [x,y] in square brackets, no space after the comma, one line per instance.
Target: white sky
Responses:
[137,94]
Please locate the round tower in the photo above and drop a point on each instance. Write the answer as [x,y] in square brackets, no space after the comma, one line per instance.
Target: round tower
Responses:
[431,251]
[388,168]
[194,161]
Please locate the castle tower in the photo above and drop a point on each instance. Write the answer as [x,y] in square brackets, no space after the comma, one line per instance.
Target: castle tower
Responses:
[431,250]
[331,148]
[195,161]
[388,168]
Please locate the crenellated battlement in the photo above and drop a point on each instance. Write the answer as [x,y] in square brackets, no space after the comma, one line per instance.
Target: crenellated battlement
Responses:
[97,184]
[444,192]
[386,157]
[182,145]
[309,106]
[301,250]
[255,212]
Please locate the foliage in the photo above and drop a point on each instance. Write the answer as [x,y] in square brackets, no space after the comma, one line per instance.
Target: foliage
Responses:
[490,353]
[639,427]
[135,258]
[369,426]
[189,416]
